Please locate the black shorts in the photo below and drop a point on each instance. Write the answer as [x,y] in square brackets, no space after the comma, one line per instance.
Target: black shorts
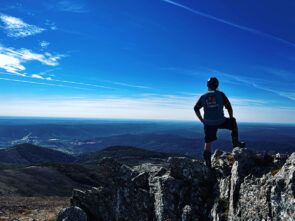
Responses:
[211,130]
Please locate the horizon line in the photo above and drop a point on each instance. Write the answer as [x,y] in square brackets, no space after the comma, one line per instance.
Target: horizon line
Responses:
[128,119]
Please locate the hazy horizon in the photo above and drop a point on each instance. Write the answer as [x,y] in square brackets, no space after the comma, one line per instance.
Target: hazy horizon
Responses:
[123,120]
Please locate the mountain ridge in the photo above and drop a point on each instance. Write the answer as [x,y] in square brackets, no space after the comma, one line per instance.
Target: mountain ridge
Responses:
[32,154]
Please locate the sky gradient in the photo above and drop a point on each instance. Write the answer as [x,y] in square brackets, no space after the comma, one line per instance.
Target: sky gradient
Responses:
[147,59]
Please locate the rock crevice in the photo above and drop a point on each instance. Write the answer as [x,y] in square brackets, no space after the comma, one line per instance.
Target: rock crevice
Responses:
[242,186]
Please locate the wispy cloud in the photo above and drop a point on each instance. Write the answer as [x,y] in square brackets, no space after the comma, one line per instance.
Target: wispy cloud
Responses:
[11,64]
[241,27]
[283,74]
[45,77]
[15,27]
[71,6]
[83,84]
[50,24]
[126,84]
[170,107]
[252,82]
[38,76]
[13,60]
[44,44]
[42,83]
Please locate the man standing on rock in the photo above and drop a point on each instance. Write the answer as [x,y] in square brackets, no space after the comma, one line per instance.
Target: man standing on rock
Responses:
[213,102]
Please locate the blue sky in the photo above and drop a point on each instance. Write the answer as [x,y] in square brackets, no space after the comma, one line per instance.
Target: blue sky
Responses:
[146,59]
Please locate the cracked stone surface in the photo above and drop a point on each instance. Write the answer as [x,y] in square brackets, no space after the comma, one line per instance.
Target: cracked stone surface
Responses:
[243,186]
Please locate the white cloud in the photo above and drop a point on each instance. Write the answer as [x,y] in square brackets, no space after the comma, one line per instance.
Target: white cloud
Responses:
[70,6]
[44,44]
[11,64]
[50,24]
[170,107]
[15,27]
[37,76]
[46,58]
[12,60]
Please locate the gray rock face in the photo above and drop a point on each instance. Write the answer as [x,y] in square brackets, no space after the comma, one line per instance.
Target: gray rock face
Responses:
[72,214]
[243,186]
[258,188]
[178,191]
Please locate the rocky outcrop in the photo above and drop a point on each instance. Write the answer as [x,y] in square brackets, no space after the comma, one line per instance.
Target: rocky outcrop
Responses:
[258,187]
[72,214]
[175,191]
[242,186]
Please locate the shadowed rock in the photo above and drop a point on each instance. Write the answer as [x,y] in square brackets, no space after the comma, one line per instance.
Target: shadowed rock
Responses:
[72,214]
[243,186]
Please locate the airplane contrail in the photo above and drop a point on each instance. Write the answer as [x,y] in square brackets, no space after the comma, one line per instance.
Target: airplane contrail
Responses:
[241,27]
[40,83]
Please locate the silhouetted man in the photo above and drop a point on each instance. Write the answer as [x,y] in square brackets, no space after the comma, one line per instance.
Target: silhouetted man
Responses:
[213,102]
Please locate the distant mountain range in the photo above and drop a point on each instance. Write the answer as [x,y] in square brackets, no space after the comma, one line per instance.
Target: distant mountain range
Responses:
[171,137]
[30,154]
[29,170]
[128,155]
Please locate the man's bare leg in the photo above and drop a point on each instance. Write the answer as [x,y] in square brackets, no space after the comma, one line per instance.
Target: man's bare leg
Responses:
[207,154]
[207,146]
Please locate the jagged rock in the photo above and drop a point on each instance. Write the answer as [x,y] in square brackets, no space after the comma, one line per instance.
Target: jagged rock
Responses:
[72,214]
[244,162]
[268,197]
[114,172]
[256,192]
[253,202]
[122,198]
[222,163]
[164,190]
[176,192]
[282,193]
[186,169]
[141,180]
[242,186]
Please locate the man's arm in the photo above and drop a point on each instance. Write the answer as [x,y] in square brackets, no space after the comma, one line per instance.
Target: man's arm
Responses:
[198,113]
[228,106]
[229,110]
[197,108]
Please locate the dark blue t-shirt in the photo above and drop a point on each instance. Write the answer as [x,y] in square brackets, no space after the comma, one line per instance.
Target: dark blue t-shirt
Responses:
[213,103]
